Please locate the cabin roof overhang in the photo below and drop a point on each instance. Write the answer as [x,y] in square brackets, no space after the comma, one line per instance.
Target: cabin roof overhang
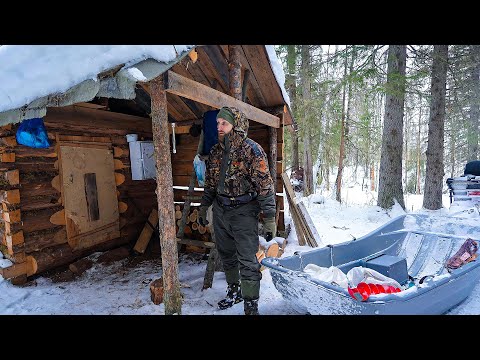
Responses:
[210,69]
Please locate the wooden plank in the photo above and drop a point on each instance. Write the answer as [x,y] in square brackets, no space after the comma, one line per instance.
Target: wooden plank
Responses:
[90,105]
[193,90]
[182,168]
[76,161]
[43,202]
[96,121]
[253,92]
[311,226]
[91,196]
[262,71]
[294,210]
[220,62]
[24,151]
[209,69]
[147,232]
[82,139]
[95,236]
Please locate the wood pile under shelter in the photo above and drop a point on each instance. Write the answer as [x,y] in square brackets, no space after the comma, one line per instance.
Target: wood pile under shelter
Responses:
[78,196]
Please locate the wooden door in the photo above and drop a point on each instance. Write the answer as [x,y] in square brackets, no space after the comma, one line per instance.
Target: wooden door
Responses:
[88,193]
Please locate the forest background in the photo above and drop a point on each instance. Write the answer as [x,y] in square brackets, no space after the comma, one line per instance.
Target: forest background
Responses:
[403,117]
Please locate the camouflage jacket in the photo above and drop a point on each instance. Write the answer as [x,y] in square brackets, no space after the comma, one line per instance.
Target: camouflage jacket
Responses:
[237,166]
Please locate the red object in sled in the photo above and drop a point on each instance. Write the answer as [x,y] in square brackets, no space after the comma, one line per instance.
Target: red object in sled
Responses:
[363,290]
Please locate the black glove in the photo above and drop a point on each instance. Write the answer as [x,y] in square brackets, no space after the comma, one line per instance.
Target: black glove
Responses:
[202,216]
[269,228]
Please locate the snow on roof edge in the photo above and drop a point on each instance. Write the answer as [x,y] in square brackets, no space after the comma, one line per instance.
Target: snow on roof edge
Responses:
[122,85]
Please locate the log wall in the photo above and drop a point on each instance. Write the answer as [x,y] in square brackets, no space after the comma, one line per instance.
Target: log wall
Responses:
[31,228]
[32,234]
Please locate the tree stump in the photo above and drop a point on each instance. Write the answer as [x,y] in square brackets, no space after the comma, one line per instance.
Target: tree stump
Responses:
[156,291]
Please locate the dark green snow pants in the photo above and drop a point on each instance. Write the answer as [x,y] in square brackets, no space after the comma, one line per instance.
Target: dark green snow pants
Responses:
[236,238]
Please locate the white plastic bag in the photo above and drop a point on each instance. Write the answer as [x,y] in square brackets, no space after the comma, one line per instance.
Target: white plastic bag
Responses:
[332,275]
[360,274]
[200,167]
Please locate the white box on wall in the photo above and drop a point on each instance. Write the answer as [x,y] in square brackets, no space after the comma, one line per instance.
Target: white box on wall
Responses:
[142,159]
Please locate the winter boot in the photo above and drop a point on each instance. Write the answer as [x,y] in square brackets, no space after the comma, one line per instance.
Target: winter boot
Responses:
[234,296]
[251,294]
[250,306]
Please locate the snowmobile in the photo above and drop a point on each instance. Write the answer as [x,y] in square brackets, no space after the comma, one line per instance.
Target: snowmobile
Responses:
[465,191]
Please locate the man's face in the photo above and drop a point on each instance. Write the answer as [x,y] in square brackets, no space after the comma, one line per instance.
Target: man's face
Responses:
[223,127]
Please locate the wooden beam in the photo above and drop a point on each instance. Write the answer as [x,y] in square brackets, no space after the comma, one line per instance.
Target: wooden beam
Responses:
[90,105]
[190,89]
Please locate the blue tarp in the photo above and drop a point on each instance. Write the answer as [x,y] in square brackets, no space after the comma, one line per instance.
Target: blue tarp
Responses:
[32,133]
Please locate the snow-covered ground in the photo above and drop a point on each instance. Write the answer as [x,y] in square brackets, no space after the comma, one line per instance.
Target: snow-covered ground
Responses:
[122,287]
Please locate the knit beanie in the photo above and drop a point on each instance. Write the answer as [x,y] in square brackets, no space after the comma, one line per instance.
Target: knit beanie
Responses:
[226,113]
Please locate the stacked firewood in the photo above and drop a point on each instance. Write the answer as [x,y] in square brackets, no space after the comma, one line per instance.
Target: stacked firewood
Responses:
[192,228]
[272,248]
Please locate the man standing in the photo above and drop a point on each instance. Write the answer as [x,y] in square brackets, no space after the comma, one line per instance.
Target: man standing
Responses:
[239,185]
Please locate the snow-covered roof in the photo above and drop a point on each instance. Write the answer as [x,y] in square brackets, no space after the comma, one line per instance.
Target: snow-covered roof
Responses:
[33,77]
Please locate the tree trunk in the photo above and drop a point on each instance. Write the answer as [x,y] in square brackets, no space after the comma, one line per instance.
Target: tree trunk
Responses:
[407,124]
[390,179]
[295,160]
[307,152]
[432,198]
[419,150]
[166,210]
[338,182]
[291,85]
[472,137]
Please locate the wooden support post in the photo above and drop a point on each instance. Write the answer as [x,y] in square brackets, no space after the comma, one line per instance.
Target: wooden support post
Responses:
[166,210]
[272,160]
[235,72]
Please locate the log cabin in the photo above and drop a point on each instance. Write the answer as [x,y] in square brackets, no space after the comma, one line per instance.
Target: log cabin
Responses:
[94,189]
